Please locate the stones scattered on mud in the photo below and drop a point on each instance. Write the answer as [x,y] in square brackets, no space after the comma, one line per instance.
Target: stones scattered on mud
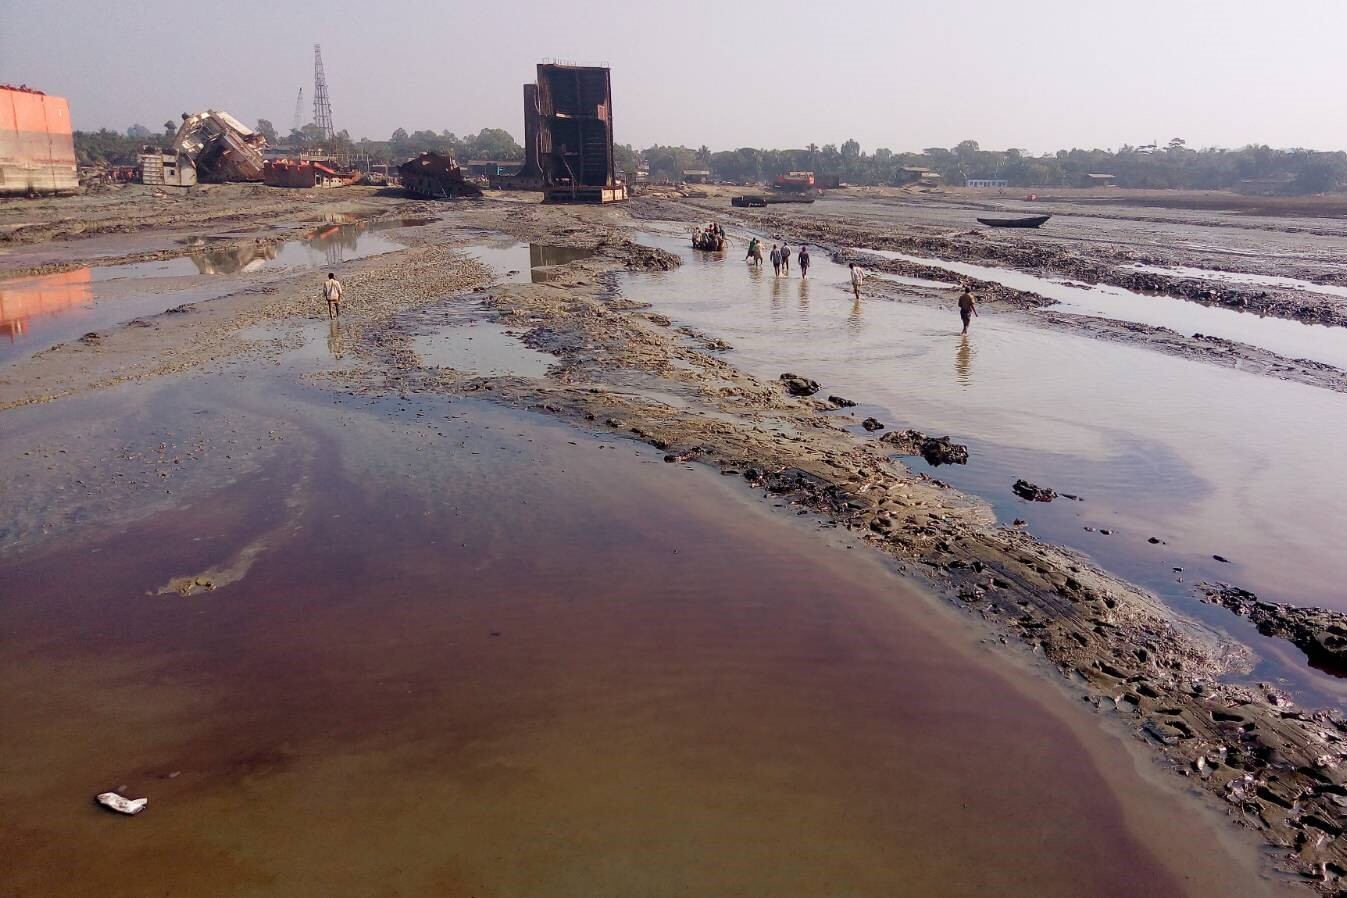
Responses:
[936,450]
[1318,632]
[1033,492]
[841,402]
[872,424]
[1221,558]
[799,386]
[685,455]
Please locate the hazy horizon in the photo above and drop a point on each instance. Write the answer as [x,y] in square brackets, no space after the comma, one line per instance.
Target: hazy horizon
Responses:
[1041,75]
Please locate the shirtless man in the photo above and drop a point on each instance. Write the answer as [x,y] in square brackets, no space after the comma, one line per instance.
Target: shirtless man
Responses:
[968,307]
[332,293]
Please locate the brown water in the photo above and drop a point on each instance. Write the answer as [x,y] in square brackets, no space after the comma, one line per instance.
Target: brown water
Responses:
[1212,461]
[456,651]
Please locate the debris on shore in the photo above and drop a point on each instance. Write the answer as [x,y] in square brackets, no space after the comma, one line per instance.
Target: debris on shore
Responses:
[121,804]
[1318,632]
[1033,492]
[936,450]
[799,386]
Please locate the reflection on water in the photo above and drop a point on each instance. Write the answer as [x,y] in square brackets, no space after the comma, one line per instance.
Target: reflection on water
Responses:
[233,259]
[1208,459]
[1280,335]
[38,312]
[24,299]
[336,343]
[519,263]
[481,347]
[963,361]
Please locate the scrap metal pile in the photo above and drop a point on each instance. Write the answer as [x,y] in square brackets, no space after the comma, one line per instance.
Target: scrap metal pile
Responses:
[434,176]
[219,147]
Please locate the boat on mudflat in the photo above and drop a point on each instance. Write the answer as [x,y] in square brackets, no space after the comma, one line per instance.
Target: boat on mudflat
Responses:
[1031,221]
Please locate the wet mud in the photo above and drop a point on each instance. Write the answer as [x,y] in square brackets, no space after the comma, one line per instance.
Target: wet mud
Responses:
[472,653]
[345,583]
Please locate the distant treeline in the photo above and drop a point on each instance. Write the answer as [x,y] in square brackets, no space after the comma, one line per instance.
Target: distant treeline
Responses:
[115,148]
[1170,166]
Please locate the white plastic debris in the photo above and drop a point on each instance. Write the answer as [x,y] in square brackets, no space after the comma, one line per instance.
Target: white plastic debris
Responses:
[121,804]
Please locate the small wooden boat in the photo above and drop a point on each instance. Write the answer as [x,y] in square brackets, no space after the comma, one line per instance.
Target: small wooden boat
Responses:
[1031,221]
[751,202]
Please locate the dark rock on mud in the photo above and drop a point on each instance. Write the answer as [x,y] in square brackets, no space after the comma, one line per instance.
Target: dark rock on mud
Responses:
[872,424]
[841,402]
[1033,492]
[936,450]
[1318,632]
[799,386]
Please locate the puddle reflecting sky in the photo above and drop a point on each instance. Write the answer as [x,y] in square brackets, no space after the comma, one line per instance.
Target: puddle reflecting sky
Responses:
[39,312]
[1210,460]
[481,347]
[519,263]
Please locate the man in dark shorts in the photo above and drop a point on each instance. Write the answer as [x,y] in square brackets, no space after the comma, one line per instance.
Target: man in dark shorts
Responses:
[968,307]
[804,260]
[785,259]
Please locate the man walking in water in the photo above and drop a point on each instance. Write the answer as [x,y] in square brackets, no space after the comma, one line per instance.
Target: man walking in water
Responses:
[968,307]
[857,278]
[804,260]
[776,260]
[332,293]
[785,258]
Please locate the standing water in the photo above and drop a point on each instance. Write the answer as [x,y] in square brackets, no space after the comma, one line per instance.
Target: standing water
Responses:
[1208,460]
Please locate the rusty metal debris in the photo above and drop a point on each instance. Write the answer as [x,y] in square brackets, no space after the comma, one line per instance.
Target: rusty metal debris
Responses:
[219,147]
[435,176]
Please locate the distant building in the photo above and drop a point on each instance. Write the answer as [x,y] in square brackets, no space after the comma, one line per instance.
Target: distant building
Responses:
[696,175]
[1099,180]
[986,182]
[1270,186]
[915,176]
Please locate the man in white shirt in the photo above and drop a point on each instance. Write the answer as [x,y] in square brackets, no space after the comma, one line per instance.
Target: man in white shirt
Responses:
[332,293]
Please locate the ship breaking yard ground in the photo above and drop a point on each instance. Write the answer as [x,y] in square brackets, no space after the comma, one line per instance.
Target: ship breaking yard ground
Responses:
[493,629]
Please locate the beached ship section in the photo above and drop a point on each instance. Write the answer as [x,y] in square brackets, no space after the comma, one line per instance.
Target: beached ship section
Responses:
[37,147]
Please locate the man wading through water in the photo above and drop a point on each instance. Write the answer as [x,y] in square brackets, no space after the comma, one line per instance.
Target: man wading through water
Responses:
[332,293]
[968,307]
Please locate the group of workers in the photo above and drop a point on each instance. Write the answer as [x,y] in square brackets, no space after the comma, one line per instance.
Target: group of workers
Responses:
[780,257]
[710,238]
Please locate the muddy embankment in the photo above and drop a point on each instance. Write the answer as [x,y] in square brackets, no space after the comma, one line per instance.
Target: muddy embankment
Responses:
[1102,267]
[1278,768]
[138,208]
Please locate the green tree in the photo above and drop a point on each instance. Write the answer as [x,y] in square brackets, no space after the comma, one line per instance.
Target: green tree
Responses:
[267,130]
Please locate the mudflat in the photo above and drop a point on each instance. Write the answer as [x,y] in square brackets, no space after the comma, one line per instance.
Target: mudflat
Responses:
[449,586]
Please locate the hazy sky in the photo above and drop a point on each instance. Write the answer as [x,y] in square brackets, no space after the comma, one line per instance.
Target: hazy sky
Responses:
[1038,74]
